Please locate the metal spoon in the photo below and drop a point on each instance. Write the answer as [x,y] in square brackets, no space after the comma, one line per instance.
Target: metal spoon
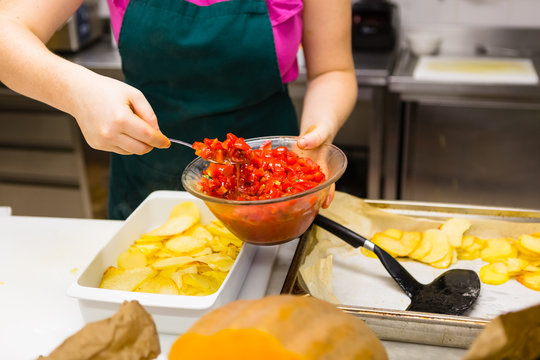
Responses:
[181,143]
[227,161]
[452,293]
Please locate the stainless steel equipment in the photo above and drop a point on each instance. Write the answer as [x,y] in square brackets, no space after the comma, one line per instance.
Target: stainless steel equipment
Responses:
[375,25]
[466,142]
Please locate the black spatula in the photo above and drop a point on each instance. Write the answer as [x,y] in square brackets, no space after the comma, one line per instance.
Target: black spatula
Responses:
[452,293]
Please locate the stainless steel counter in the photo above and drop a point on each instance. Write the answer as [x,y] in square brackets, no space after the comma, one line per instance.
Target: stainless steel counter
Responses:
[465,142]
[471,41]
[402,81]
[373,68]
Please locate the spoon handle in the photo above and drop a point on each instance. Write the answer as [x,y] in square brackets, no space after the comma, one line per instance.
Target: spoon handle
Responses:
[400,275]
[181,143]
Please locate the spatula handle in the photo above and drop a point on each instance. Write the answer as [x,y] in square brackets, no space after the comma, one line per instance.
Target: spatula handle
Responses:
[400,275]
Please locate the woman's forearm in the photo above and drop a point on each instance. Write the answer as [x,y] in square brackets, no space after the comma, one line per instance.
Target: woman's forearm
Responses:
[29,68]
[330,98]
[113,116]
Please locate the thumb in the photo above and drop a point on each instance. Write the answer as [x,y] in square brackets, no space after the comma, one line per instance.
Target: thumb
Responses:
[313,137]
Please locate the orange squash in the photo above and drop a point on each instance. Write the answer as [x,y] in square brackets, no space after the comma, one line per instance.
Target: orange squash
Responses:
[279,327]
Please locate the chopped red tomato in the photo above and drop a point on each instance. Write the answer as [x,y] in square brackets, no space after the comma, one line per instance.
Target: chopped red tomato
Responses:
[242,173]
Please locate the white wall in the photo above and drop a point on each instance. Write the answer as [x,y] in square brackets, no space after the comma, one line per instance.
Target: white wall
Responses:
[504,13]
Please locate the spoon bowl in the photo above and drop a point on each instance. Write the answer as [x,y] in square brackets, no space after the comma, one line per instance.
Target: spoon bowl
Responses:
[228,161]
[452,293]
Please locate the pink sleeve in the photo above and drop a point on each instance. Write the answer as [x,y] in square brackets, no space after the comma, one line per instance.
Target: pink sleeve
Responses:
[117,8]
[286,19]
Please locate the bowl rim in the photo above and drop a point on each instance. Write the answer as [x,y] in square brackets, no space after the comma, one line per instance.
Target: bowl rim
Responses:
[325,184]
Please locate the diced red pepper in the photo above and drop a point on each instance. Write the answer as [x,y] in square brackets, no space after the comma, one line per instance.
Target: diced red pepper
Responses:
[263,173]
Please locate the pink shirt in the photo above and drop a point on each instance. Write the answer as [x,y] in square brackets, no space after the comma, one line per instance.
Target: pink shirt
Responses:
[286,19]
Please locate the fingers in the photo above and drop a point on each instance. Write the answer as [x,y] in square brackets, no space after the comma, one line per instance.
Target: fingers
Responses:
[329,197]
[129,145]
[126,133]
[139,137]
[141,108]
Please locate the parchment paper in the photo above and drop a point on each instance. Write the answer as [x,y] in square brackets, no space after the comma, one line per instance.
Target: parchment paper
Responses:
[358,280]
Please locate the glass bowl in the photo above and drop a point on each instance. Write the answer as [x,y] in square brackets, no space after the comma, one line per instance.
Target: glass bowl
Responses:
[271,221]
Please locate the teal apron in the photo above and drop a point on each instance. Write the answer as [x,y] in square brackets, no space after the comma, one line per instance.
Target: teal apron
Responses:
[206,71]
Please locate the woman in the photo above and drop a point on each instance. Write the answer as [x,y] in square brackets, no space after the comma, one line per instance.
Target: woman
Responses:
[193,69]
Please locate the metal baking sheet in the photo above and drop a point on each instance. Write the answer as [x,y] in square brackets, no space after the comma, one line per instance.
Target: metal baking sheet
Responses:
[408,326]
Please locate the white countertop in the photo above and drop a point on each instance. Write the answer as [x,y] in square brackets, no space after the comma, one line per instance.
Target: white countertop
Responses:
[40,258]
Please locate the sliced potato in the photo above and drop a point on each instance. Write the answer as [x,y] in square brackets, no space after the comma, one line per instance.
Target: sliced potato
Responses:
[128,280]
[183,244]
[531,268]
[205,284]
[178,274]
[158,261]
[131,258]
[177,278]
[232,251]
[515,265]
[158,285]
[390,244]
[394,233]
[176,261]
[421,250]
[498,249]
[217,275]
[217,261]
[525,252]
[470,248]
[444,262]
[467,241]
[494,273]
[440,246]
[164,254]
[467,255]
[205,251]
[411,240]
[200,232]
[530,280]
[167,272]
[455,228]
[530,243]
[182,217]
[149,249]
[217,228]
[146,239]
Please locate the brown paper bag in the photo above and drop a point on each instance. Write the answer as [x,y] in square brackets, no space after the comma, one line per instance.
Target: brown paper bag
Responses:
[511,336]
[130,334]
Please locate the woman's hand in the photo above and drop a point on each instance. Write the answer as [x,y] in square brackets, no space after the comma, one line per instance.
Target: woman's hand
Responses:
[311,139]
[114,116]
